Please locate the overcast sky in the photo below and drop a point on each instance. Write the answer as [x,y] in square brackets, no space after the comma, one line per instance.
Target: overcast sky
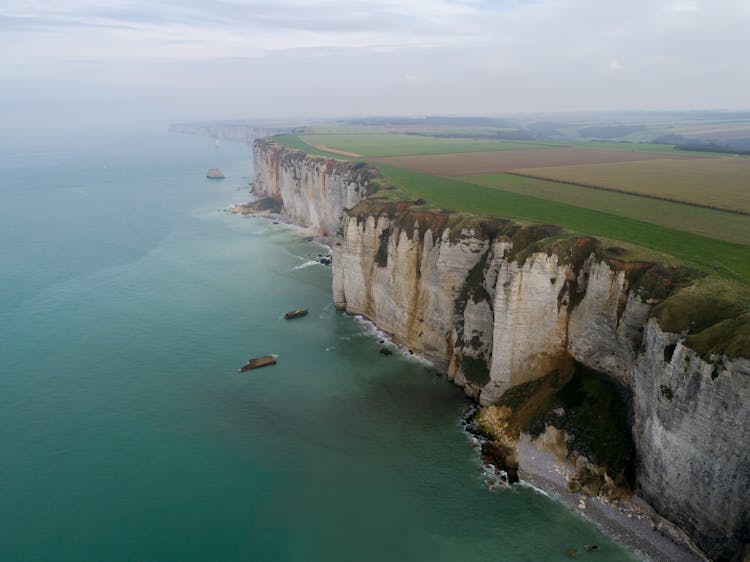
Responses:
[183,60]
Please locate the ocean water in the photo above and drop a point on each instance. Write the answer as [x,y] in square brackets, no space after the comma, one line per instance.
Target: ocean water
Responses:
[128,300]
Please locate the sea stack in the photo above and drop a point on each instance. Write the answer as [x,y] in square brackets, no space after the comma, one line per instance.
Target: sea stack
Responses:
[215,174]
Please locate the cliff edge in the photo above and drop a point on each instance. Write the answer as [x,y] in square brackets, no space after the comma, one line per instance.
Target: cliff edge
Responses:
[628,370]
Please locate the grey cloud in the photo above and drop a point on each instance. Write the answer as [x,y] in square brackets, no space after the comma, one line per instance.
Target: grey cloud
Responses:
[326,16]
[35,24]
[272,59]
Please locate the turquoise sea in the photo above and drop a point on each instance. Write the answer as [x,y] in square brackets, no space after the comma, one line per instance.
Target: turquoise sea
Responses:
[127,303]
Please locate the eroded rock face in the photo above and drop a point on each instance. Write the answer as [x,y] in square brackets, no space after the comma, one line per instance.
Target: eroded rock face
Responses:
[530,323]
[411,290]
[495,318]
[313,191]
[501,457]
[606,327]
[692,422]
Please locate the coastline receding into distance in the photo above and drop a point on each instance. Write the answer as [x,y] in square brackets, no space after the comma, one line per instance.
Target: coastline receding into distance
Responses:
[128,432]
[446,280]
[421,274]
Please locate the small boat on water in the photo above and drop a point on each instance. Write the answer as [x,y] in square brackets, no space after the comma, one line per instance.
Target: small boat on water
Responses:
[296,313]
[215,174]
[258,362]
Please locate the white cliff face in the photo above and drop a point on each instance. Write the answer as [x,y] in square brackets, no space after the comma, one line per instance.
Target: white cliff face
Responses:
[314,191]
[530,319]
[693,458]
[606,328]
[692,421]
[407,284]
[545,311]
[236,133]
[458,295]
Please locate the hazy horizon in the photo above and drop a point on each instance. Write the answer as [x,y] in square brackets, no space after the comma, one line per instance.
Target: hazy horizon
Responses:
[70,62]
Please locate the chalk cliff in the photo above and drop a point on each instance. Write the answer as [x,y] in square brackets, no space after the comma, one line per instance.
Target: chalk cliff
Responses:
[313,191]
[501,305]
[235,132]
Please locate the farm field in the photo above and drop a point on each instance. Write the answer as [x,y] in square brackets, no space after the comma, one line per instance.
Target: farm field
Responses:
[379,145]
[726,131]
[697,220]
[633,146]
[491,162]
[485,182]
[293,141]
[727,258]
[719,182]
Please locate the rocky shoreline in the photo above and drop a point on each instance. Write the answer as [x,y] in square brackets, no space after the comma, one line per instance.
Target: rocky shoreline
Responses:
[631,522]
[310,234]
[511,311]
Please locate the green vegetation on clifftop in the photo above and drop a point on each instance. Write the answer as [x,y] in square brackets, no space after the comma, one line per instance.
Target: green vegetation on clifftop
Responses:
[589,406]
[296,143]
[702,284]
[710,223]
[377,145]
[726,258]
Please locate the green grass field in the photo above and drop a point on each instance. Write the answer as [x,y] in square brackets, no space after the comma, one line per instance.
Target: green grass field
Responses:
[714,241]
[696,220]
[729,259]
[379,145]
[295,142]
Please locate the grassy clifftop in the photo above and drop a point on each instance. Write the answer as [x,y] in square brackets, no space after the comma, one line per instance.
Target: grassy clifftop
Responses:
[702,284]
[716,242]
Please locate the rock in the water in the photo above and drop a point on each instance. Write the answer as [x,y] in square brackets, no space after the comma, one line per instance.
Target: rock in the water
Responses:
[501,457]
[296,313]
[258,362]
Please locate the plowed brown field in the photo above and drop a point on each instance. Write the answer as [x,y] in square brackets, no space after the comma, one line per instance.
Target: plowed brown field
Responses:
[467,163]
[337,151]
[719,183]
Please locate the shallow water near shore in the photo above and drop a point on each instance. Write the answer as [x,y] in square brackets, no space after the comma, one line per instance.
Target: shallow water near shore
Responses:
[128,302]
